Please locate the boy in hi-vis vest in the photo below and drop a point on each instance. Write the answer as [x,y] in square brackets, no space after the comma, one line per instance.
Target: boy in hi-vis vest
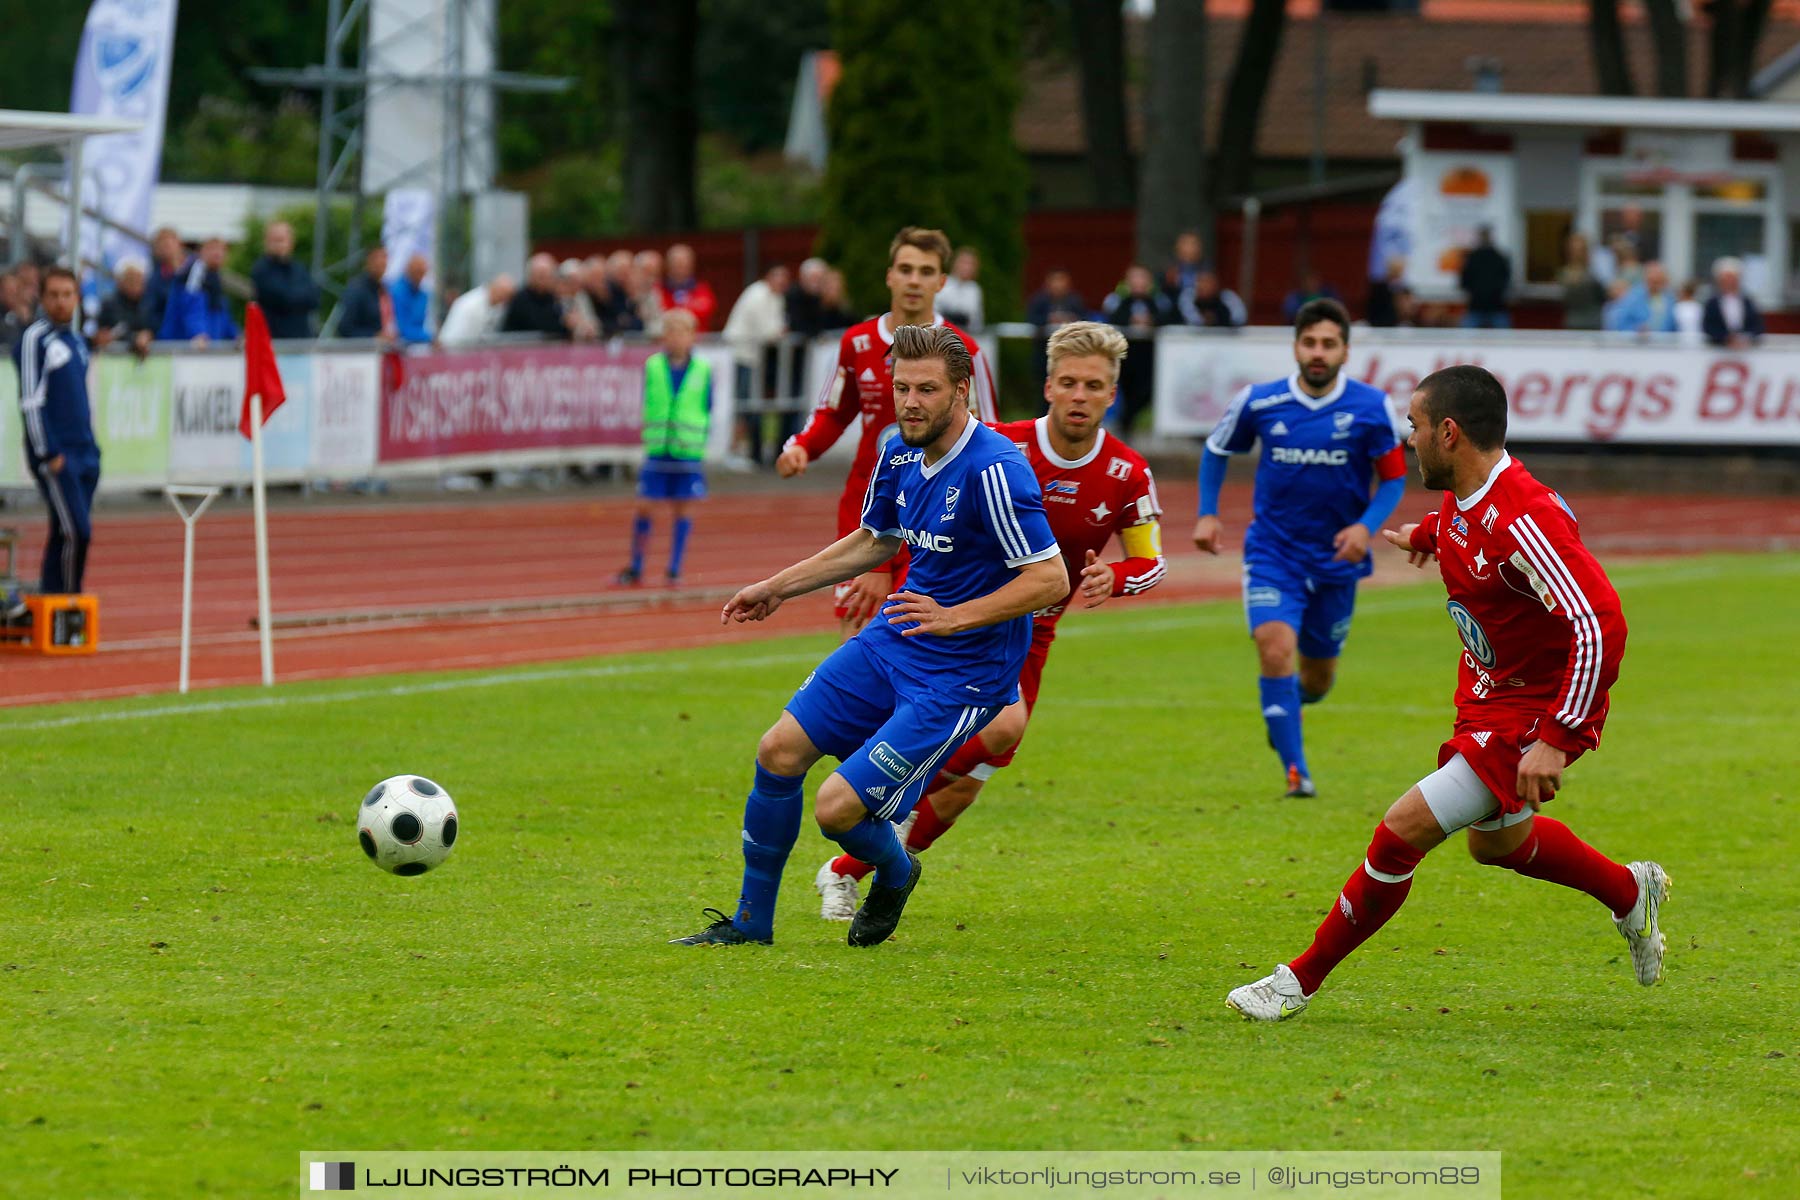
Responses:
[677,415]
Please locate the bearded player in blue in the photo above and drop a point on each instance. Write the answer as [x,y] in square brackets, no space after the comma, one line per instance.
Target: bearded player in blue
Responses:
[939,662]
[1325,439]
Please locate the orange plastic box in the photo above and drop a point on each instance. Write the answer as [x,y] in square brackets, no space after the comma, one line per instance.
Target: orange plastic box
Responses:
[59,625]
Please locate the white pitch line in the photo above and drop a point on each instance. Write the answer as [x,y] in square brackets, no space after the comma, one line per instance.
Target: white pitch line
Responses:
[462,683]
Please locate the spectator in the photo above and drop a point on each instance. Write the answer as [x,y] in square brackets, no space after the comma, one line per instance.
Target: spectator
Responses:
[1626,264]
[476,313]
[167,256]
[1632,230]
[30,287]
[1056,303]
[960,300]
[834,304]
[579,313]
[284,289]
[366,309]
[1384,295]
[1690,315]
[682,288]
[1647,308]
[678,398]
[1486,278]
[1139,308]
[196,310]
[125,315]
[1731,318]
[757,323]
[17,314]
[536,308]
[1583,295]
[52,361]
[412,302]
[1208,304]
[1181,271]
[803,298]
[1312,287]
[621,315]
[646,290]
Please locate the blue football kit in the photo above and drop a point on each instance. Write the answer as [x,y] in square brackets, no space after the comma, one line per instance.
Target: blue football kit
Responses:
[1315,476]
[893,708]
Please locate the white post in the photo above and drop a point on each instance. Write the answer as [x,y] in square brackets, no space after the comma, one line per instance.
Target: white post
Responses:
[176,494]
[262,539]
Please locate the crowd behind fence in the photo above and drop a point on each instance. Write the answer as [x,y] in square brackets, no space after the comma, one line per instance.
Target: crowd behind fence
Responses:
[360,411]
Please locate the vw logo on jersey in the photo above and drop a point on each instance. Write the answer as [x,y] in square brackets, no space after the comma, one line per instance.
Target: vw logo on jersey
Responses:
[1469,629]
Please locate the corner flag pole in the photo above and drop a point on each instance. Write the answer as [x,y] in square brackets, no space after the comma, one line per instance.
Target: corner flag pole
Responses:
[263,394]
[261,518]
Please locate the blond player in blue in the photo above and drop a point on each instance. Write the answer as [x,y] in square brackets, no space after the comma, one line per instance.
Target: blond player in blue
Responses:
[937,663]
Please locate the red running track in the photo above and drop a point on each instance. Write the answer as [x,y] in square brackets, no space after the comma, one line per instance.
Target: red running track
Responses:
[340,555]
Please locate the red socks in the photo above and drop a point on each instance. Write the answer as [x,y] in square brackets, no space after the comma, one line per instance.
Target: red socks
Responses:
[927,828]
[1553,853]
[1372,894]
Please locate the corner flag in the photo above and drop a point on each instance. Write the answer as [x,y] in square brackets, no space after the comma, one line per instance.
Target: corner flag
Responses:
[261,377]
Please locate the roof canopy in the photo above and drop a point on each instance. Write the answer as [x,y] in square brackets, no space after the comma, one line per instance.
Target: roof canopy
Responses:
[1500,108]
[19,130]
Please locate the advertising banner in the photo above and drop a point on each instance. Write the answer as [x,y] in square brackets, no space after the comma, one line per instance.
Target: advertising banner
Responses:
[346,391]
[1559,391]
[516,398]
[131,419]
[207,397]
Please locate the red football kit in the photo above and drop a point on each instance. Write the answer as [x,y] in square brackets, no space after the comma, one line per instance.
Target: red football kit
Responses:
[1087,501]
[1540,623]
[861,387]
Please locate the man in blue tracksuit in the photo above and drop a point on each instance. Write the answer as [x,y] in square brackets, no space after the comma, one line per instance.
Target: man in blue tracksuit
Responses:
[52,360]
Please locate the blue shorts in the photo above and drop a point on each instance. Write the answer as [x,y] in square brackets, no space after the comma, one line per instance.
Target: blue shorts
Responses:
[890,734]
[1319,610]
[662,479]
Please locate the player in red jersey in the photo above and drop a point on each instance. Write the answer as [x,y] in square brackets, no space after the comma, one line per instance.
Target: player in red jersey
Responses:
[1542,636]
[1095,487]
[861,387]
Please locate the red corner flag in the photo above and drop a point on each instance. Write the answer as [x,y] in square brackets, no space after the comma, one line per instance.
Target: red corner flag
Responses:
[260,375]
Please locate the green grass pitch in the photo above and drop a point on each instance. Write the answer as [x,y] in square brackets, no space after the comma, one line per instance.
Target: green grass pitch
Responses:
[200,975]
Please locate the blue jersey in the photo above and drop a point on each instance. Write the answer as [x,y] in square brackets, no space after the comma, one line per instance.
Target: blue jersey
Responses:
[1317,467]
[972,519]
[53,394]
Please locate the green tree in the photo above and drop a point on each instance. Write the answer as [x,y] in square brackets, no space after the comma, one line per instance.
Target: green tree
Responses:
[921,134]
[749,57]
[565,38]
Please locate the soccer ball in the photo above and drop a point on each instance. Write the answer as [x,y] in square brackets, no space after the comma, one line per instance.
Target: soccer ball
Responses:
[407,824]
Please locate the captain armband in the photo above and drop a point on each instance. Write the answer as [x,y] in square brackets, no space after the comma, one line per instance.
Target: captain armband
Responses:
[1143,541]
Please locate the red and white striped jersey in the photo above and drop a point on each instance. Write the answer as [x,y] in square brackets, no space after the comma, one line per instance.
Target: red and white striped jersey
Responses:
[861,386]
[1540,623]
[1089,500]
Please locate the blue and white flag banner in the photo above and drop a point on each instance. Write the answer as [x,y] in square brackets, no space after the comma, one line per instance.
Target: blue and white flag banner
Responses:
[122,71]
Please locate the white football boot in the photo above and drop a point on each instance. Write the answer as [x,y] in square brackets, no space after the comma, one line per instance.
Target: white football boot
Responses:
[1272,998]
[1639,925]
[837,893]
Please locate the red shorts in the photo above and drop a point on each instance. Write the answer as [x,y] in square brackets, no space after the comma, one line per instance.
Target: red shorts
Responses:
[972,757]
[849,521]
[1492,743]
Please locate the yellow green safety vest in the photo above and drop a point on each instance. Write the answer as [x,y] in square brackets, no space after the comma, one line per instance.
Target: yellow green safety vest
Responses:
[675,422]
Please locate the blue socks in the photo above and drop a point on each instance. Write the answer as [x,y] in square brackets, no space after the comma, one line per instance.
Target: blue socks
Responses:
[1281,713]
[682,526]
[875,842]
[640,537]
[771,827]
